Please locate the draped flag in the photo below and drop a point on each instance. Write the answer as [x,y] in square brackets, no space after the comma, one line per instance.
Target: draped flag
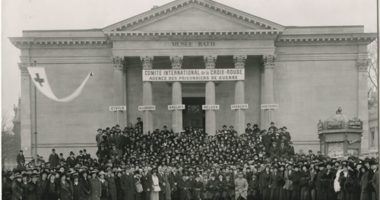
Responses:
[39,78]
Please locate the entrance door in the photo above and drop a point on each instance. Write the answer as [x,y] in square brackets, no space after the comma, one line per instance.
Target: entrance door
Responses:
[193,115]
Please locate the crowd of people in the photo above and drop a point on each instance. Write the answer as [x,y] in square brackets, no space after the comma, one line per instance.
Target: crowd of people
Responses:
[192,165]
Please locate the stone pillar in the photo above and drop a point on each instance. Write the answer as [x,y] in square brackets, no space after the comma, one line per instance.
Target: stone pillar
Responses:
[120,90]
[177,126]
[147,63]
[239,62]
[267,115]
[362,101]
[27,89]
[210,97]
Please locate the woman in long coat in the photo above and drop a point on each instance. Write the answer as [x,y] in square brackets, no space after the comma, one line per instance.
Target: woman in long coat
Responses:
[350,185]
[65,189]
[365,185]
[155,185]
[241,186]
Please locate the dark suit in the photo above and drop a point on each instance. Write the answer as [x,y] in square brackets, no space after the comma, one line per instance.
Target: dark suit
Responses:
[66,191]
[128,186]
[84,189]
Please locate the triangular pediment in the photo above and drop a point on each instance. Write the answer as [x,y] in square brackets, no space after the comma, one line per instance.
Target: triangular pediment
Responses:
[193,15]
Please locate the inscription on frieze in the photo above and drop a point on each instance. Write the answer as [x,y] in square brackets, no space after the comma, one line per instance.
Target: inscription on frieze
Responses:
[193,43]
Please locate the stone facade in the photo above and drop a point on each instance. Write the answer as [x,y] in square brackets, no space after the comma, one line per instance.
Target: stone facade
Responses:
[305,71]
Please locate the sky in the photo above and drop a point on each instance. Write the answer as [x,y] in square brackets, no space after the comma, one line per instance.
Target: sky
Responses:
[18,15]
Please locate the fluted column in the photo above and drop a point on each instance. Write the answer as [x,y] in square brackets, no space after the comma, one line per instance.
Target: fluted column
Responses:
[267,98]
[147,63]
[239,62]
[120,90]
[26,128]
[210,97]
[177,126]
[362,101]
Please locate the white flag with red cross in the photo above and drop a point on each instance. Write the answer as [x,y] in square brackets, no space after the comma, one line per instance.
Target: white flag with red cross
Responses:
[40,80]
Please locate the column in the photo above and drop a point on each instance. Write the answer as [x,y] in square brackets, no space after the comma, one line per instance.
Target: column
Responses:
[147,63]
[362,101]
[239,62]
[210,97]
[176,62]
[120,90]
[267,99]
[26,129]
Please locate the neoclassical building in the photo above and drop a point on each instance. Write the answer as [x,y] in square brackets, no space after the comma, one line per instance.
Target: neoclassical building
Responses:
[193,63]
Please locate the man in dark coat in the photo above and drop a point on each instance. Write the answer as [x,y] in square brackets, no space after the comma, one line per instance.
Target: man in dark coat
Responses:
[375,180]
[276,183]
[128,185]
[32,193]
[53,159]
[111,185]
[264,181]
[42,185]
[296,181]
[327,181]
[76,187]
[17,188]
[71,161]
[20,160]
[84,186]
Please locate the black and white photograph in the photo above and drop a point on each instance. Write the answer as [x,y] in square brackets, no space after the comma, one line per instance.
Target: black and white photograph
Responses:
[189,100]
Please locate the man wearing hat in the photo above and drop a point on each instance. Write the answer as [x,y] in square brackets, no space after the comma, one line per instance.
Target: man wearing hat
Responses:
[53,159]
[95,186]
[32,189]
[20,160]
[84,185]
[17,191]
[375,179]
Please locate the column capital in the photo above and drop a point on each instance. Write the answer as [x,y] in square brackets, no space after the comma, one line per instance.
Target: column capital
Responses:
[176,62]
[239,61]
[362,65]
[210,61]
[269,60]
[118,63]
[23,68]
[147,62]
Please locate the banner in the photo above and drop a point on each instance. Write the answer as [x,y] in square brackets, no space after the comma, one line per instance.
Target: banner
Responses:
[193,75]
[40,80]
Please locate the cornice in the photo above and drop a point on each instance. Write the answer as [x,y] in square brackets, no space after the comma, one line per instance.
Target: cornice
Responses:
[28,42]
[193,35]
[364,38]
[169,8]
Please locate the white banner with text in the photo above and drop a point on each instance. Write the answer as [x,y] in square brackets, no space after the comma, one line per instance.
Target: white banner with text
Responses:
[193,75]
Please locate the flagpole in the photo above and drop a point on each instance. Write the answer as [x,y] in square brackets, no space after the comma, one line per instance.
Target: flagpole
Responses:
[35,121]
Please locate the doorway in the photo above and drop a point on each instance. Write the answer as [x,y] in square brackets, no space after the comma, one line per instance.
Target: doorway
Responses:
[193,115]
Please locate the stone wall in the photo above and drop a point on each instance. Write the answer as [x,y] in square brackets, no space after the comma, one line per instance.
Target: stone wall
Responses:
[311,82]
